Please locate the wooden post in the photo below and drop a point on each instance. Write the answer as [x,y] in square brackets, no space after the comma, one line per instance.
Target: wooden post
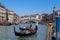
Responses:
[49,32]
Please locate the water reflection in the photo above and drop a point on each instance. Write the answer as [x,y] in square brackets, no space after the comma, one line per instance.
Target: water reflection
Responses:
[7,33]
[32,37]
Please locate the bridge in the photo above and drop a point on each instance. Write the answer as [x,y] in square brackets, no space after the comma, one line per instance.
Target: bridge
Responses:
[36,18]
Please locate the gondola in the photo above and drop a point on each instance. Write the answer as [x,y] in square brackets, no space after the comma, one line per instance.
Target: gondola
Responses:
[25,34]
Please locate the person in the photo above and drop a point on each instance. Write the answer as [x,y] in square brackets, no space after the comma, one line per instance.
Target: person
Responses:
[36,27]
[23,31]
[30,26]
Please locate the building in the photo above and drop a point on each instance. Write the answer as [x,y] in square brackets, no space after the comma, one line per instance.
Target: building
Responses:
[13,17]
[45,17]
[3,12]
[16,19]
[8,15]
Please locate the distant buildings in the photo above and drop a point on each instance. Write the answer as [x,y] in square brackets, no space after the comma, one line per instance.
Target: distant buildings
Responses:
[55,13]
[16,19]
[3,12]
[8,15]
[51,17]
[11,17]
[44,17]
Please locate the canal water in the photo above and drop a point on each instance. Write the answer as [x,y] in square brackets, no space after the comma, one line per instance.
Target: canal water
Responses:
[7,32]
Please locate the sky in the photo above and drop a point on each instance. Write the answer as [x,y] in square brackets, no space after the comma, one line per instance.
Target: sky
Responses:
[27,7]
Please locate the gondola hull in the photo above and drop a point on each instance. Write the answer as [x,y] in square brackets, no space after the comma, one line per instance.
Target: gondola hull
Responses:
[23,34]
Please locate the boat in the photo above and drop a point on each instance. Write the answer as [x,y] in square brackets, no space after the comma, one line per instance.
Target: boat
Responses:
[25,34]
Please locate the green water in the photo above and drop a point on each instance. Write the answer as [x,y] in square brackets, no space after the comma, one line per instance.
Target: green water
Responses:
[7,33]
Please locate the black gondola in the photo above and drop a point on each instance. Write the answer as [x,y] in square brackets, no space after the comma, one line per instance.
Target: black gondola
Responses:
[24,34]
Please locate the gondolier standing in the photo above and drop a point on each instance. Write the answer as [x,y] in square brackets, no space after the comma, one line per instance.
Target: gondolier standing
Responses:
[30,28]
[37,17]
[36,26]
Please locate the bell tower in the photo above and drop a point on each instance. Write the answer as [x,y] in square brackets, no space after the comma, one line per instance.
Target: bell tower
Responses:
[54,13]
[54,9]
